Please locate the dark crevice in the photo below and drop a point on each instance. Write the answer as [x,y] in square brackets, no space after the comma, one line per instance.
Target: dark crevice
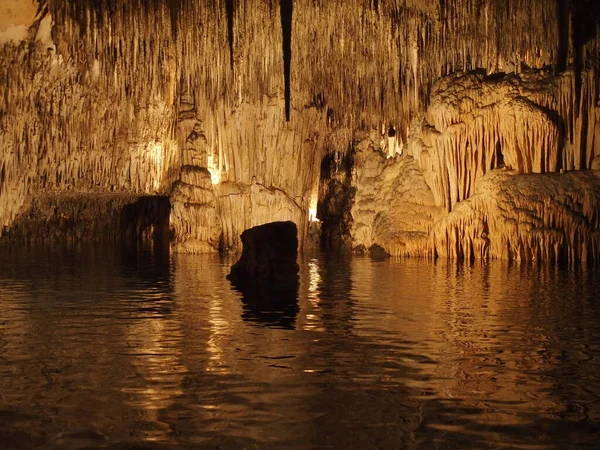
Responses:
[146,220]
[286,8]
[174,6]
[230,11]
[585,19]
[499,156]
[336,197]
[562,8]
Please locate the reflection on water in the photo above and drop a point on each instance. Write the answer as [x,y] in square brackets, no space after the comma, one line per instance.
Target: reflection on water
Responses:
[275,306]
[114,348]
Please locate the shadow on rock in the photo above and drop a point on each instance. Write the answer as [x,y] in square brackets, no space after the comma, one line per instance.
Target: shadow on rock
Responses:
[267,274]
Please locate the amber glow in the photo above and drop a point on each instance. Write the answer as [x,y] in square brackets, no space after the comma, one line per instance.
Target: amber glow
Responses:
[214,169]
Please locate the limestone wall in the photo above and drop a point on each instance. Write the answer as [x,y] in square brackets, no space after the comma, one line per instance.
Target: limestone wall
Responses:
[503,160]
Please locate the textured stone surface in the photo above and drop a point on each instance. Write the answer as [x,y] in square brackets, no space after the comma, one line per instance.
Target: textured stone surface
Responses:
[394,207]
[194,218]
[448,194]
[550,217]
[134,97]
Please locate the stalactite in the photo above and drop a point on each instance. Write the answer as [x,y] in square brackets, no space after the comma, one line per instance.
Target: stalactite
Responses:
[550,217]
[286,9]
[527,117]
[355,55]
[230,10]
[99,112]
[562,54]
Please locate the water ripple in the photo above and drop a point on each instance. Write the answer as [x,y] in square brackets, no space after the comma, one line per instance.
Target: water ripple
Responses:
[101,349]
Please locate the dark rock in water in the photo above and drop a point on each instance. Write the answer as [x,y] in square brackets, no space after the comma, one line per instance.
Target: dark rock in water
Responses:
[268,256]
[267,273]
[375,251]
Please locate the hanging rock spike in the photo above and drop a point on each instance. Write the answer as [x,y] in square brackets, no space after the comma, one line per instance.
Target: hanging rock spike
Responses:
[230,11]
[286,9]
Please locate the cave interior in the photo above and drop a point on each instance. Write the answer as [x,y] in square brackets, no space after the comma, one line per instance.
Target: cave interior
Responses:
[466,129]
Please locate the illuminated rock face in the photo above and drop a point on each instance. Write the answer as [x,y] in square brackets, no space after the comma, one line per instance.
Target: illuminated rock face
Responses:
[465,186]
[194,218]
[394,208]
[525,122]
[550,217]
[230,107]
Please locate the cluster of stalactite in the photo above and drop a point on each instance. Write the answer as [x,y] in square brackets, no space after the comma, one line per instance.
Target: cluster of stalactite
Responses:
[510,215]
[63,133]
[530,122]
[502,159]
[77,119]
[544,217]
[254,170]
[265,87]
[368,59]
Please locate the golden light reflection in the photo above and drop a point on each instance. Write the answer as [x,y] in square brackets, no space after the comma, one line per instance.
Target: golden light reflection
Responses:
[314,280]
[313,317]
[218,327]
[312,210]
[214,169]
[475,339]
[160,368]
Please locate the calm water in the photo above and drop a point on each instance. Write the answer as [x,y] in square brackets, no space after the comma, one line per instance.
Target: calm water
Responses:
[118,350]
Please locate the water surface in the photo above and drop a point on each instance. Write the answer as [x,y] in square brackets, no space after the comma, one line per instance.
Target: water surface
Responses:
[121,349]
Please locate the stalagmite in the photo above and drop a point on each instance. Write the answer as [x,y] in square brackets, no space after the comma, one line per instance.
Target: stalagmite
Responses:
[194,219]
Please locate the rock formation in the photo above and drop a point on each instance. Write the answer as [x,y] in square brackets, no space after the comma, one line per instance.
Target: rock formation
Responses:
[394,208]
[267,272]
[231,107]
[549,217]
[268,257]
[453,194]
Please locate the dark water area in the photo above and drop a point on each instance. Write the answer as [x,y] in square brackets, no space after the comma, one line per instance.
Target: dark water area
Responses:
[108,348]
